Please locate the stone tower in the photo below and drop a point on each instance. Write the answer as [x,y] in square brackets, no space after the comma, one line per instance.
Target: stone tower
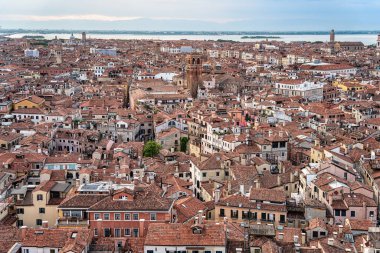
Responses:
[378,41]
[332,36]
[84,37]
[58,56]
[193,73]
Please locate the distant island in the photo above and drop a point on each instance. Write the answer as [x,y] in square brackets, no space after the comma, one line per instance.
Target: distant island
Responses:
[261,37]
[34,37]
[144,32]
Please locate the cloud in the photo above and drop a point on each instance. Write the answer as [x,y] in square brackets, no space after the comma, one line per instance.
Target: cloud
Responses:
[95,17]
[67,17]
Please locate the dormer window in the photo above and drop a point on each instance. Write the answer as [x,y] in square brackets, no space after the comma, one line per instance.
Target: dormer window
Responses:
[123,197]
[197,230]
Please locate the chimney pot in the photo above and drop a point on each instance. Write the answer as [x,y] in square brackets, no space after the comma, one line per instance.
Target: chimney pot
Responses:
[45,224]
[142,227]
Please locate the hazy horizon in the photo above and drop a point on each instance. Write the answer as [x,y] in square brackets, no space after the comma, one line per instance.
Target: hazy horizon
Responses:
[194,15]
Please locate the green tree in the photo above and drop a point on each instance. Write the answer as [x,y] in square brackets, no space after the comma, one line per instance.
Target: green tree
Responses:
[184,141]
[151,148]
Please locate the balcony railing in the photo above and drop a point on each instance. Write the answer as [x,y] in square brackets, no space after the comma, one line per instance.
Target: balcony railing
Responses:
[72,221]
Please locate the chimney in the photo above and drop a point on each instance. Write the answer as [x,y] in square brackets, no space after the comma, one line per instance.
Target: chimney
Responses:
[335,234]
[281,134]
[295,239]
[330,199]
[142,228]
[270,133]
[45,224]
[216,195]
[330,241]
[239,250]
[99,227]
[303,239]
[280,236]
[200,216]
[23,232]
[257,182]
[278,180]
[242,192]
[340,229]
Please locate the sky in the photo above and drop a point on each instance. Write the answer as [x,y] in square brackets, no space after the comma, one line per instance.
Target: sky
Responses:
[192,15]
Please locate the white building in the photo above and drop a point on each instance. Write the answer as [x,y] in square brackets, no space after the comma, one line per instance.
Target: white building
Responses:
[32,53]
[167,77]
[312,91]
[328,70]
[103,51]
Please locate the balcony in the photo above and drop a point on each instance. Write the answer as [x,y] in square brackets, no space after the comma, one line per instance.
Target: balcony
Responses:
[72,222]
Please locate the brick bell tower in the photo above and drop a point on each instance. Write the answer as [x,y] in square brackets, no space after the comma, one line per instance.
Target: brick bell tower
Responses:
[193,73]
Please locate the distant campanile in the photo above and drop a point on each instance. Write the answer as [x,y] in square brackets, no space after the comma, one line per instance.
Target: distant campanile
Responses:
[332,36]
[378,41]
[83,37]
[193,73]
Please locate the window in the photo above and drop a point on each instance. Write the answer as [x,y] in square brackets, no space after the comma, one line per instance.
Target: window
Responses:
[337,212]
[39,222]
[95,232]
[255,250]
[153,216]
[117,232]
[343,212]
[127,216]
[353,213]
[26,251]
[322,233]
[135,216]
[136,232]
[149,251]
[371,214]
[117,216]
[127,232]
[315,234]
[20,211]
[218,251]
[234,214]
[221,213]
[107,232]
[106,216]
[263,216]
[96,216]
[52,250]
[282,218]
[42,210]
[40,197]
[20,223]
[204,174]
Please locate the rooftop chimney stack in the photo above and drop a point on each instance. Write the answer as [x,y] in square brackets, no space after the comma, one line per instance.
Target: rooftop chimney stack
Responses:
[45,224]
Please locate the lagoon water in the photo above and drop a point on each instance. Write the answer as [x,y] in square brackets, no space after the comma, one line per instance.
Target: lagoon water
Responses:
[367,39]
